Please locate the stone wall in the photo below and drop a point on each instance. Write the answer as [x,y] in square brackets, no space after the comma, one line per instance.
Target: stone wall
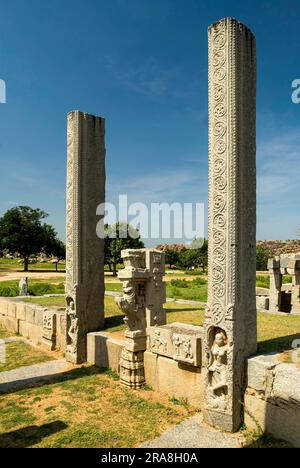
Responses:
[33,322]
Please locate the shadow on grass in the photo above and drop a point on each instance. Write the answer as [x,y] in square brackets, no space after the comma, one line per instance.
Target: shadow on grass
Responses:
[58,378]
[114,321]
[277,345]
[31,435]
[191,309]
[267,441]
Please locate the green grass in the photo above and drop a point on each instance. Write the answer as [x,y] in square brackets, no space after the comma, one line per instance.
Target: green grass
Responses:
[61,415]
[21,354]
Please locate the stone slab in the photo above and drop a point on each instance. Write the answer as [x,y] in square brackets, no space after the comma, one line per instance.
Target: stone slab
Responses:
[178,341]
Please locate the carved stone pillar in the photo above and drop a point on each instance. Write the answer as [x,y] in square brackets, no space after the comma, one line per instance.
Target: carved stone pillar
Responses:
[142,304]
[230,323]
[275,284]
[85,251]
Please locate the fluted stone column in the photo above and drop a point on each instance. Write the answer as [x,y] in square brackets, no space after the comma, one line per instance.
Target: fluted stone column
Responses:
[230,323]
[85,251]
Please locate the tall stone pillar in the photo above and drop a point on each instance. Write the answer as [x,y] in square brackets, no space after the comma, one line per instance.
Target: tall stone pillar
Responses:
[230,323]
[275,284]
[85,251]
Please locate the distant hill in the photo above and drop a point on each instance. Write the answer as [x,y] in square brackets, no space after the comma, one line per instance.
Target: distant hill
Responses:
[280,247]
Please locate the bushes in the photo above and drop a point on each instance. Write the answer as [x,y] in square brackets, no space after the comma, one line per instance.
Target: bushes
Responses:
[11,289]
[40,289]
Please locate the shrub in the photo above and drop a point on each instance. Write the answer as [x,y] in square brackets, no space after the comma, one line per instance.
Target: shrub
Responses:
[198,282]
[179,283]
[9,291]
[40,289]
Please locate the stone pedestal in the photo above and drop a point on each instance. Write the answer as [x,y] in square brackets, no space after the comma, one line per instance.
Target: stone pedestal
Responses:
[230,323]
[85,251]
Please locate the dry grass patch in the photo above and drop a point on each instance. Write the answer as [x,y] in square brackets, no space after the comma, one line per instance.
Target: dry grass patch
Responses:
[86,408]
[21,354]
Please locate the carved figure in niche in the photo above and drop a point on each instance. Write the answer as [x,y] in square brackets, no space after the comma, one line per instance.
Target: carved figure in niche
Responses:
[187,349]
[159,343]
[177,342]
[72,325]
[218,366]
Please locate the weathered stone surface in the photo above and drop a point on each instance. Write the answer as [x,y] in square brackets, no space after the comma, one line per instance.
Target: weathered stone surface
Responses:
[282,421]
[178,341]
[104,351]
[30,331]
[286,384]
[85,251]
[21,311]
[9,323]
[12,309]
[30,313]
[230,324]
[259,369]
[144,294]
[177,380]
[49,329]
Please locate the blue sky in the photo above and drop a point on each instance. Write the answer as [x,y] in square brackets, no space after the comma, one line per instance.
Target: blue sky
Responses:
[141,64]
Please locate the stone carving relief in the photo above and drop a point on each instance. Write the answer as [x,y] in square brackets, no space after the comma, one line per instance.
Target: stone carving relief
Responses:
[142,286]
[217,371]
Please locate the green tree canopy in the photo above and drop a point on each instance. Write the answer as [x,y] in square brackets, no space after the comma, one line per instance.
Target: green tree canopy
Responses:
[120,236]
[23,232]
[262,256]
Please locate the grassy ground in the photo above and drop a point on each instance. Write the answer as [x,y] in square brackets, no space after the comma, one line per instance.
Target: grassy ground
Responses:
[85,408]
[21,354]
[6,264]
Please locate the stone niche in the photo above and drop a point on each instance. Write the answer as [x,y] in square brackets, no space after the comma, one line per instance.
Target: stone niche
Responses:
[180,342]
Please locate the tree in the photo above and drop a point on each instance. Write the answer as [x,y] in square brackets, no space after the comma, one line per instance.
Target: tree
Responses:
[262,256]
[172,257]
[22,232]
[196,255]
[58,249]
[120,236]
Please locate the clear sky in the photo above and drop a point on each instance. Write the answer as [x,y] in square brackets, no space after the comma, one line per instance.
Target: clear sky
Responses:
[141,64]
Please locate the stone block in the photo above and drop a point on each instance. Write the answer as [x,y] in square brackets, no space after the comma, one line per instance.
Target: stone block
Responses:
[281,421]
[273,263]
[12,309]
[260,370]
[39,316]
[30,313]
[178,341]
[3,307]
[9,323]
[286,384]
[49,328]
[175,379]
[30,331]
[20,313]
[104,351]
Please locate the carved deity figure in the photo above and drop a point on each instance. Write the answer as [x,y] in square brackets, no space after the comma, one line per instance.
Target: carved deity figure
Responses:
[187,349]
[72,327]
[177,342]
[218,367]
[159,343]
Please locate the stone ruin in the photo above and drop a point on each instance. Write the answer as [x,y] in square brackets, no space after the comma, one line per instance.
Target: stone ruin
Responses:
[284,298]
[219,350]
